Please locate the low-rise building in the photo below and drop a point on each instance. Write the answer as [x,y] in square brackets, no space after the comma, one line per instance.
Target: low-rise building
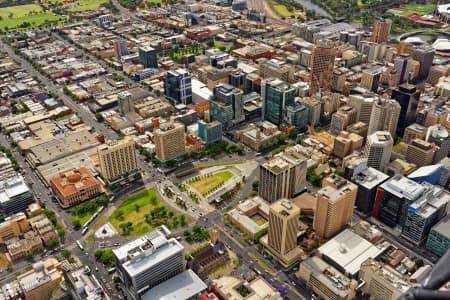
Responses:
[75,186]
[250,216]
[84,284]
[14,226]
[20,248]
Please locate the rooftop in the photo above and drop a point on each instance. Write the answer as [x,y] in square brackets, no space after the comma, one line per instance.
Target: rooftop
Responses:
[12,187]
[370,178]
[182,286]
[403,187]
[348,250]
[443,227]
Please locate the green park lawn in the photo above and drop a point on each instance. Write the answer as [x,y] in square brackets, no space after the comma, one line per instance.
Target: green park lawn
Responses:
[282,10]
[420,9]
[84,5]
[30,13]
[205,184]
[83,219]
[154,1]
[134,210]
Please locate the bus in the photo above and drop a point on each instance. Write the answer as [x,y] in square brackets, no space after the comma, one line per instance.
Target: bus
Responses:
[112,270]
[80,246]
[84,230]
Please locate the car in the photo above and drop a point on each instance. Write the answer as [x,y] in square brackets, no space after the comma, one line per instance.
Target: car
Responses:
[116,244]
[96,269]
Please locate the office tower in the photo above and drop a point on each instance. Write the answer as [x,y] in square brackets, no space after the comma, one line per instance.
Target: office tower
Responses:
[367,182]
[359,128]
[282,233]
[15,195]
[296,115]
[334,206]
[121,47]
[169,141]
[382,282]
[408,97]
[117,158]
[227,105]
[378,149]
[346,115]
[393,198]
[148,57]
[283,176]
[424,55]
[314,106]
[420,153]
[274,68]
[178,87]
[402,65]
[237,79]
[148,261]
[209,132]
[424,213]
[438,135]
[345,143]
[363,105]
[435,73]
[322,66]
[125,102]
[276,95]
[438,240]
[381,30]
[370,79]
[414,131]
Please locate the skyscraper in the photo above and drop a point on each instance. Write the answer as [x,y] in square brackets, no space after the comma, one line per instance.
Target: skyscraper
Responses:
[169,141]
[363,105]
[121,47]
[282,233]
[148,57]
[117,158]
[370,79]
[283,176]
[346,115]
[125,102]
[384,116]
[276,95]
[408,97]
[322,66]
[420,153]
[378,149]
[438,135]
[402,65]
[424,55]
[381,30]
[227,105]
[334,206]
[148,261]
[178,87]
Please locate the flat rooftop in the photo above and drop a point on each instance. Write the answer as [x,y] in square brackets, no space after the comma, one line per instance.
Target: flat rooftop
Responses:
[276,165]
[403,187]
[370,178]
[348,250]
[443,227]
[182,286]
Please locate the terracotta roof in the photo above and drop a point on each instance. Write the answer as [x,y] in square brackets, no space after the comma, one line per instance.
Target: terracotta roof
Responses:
[71,181]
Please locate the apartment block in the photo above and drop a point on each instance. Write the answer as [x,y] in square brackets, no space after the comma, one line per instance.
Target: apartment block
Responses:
[117,158]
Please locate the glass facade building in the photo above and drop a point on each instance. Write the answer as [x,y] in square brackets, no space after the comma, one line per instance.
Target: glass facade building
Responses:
[178,87]
[276,95]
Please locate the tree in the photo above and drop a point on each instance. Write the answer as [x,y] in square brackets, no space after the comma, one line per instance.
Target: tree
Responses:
[316,180]
[293,132]
[255,185]
[99,117]
[66,253]
[52,243]
[419,263]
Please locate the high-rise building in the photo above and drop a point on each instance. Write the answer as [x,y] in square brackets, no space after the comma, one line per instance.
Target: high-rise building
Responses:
[148,57]
[408,97]
[276,95]
[322,66]
[282,234]
[227,105]
[15,195]
[424,55]
[435,73]
[393,198]
[438,135]
[209,132]
[381,281]
[439,238]
[381,30]
[384,116]
[178,87]
[148,261]
[334,206]
[314,107]
[169,141]
[276,69]
[296,115]
[378,149]
[420,153]
[402,65]
[117,158]
[346,115]
[424,213]
[414,131]
[363,105]
[121,47]
[282,177]
[125,100]
[367,181]
[370,79]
